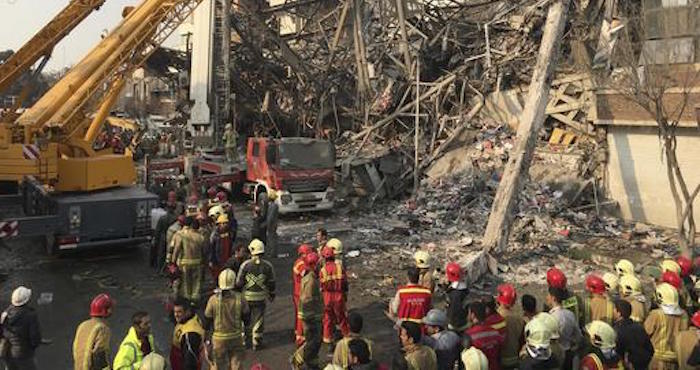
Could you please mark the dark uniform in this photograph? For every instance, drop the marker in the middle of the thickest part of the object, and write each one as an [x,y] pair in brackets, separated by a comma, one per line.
[256,279]
[310,312]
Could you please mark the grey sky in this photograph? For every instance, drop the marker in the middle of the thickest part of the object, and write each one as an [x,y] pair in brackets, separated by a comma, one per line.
[21,19]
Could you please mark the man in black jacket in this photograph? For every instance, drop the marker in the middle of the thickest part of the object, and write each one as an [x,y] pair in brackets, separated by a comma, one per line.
[633,343]
[20,327]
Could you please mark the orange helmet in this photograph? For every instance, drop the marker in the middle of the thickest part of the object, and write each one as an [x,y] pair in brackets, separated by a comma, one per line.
[327,252]
[595,284]
[100,305]
[506,295]
[686,265]
[696,319]
[311,260]
[304,249]
[672,278]
[556,278]
[453,271]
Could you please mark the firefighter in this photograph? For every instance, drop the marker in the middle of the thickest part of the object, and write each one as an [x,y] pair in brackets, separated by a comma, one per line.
[310,309]
[631,291]
[188,249]
[321,239]
[137,343]
[230,145]
[670,265]
[483,336]
[271,216]
[159,246]
[211,197]
[221,246]
[188,337]
[412,301]
[557,279]
[457,293]
[602,356]
[334,288]
[514,326]
[624,267]
[537,352]
[297,270]
[611,282]
[596,306]
[422,259]
[686,342]
[691,298]
[172,230]
[552,325]
[91,343]
[256,279]
[663,324]
[474,359]
[225,314]
[675,281]
[337,247]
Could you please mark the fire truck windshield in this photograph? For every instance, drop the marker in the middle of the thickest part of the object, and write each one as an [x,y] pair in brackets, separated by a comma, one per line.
[306,155]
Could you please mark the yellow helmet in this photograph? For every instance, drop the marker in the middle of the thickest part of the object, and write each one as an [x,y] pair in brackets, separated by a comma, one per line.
[602,335]
[215,211]
[538,333]
[666,294]
[629,284]
[271,194]
[227,279]
[670,265]
[624,267]
[256,247]
[336,245]
[422,259]
[611,282]
[550,322]
[222,219]
[474,359]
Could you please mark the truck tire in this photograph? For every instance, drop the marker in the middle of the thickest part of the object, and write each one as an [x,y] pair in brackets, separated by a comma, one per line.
[50,245]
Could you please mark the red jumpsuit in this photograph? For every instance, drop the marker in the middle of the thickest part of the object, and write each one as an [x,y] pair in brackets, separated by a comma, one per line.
[221,249]
[297,270]
[334,287]
[414,302]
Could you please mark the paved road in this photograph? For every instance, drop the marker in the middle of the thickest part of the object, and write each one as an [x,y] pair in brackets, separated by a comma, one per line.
[73,280]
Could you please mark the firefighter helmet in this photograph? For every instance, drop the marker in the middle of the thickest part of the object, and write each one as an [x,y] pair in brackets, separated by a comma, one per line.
[550,322]
[670,265]
[595,284]
[304,249]
[666,294]
[453,271]
[327,252]
[672,278]
[686,265]
[422,259]
[271,194]
[537,333]
[337,246]
[601,334]
[474,359]
[629,285]
[311,260]
[222,219]
[221,196]
[100,305]
[624,267]
[256,247]
[435,317]
[556,278]
[227,279]
[215,211]
[696,319]
[506,295]
[211,192]
[611,282]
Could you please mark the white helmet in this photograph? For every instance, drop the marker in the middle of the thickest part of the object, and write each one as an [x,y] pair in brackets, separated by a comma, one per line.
[227,279]
[474,359]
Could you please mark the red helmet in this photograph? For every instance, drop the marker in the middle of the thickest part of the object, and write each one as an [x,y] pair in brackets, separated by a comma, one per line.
[696,319]
[556,278]
[221,196]
[672,278]
[454,272]
[304,249]
[100,305]
[686,265]
[327,252]
[211,192]
[181,220]
[311,260]
[506,295]
[193,199]
[595,284]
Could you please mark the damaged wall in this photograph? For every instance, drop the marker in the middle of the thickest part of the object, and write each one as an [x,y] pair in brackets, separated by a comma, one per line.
[636,173]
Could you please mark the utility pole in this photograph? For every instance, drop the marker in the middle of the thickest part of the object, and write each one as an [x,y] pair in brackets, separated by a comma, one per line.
[498,227]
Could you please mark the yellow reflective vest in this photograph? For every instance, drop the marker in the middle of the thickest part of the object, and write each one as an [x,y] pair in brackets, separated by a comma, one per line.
[130,356]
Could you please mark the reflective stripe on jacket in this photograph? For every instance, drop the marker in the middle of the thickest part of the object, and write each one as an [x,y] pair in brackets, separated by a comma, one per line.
[91,337]
[662,330]
[130,355]
[414,302]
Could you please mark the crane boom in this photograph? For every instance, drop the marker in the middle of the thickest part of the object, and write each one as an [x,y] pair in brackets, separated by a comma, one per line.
[44,41]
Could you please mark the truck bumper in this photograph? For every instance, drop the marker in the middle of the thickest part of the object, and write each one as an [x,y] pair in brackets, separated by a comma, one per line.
[304,202]
[105,243]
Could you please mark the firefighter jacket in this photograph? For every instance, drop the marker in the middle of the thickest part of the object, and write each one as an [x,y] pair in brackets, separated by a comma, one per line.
[411,303]
[172,230]
[497,322]
[426,279]
[297,270]
[221,247]
[310,305]
[513,340]
[188,247]
[333,279]
[342,350]
[187,343]
[256,278]
[91,345]
[420,357]
[597,307]
[639,308]
[130,354]
[457,306]
[592,361]
[227,309]
[489,341]
[685,343]
[663,329]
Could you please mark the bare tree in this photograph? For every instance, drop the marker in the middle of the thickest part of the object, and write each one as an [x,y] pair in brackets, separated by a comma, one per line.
[647,78]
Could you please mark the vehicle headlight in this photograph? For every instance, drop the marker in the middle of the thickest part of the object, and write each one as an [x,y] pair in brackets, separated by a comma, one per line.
[286,198]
